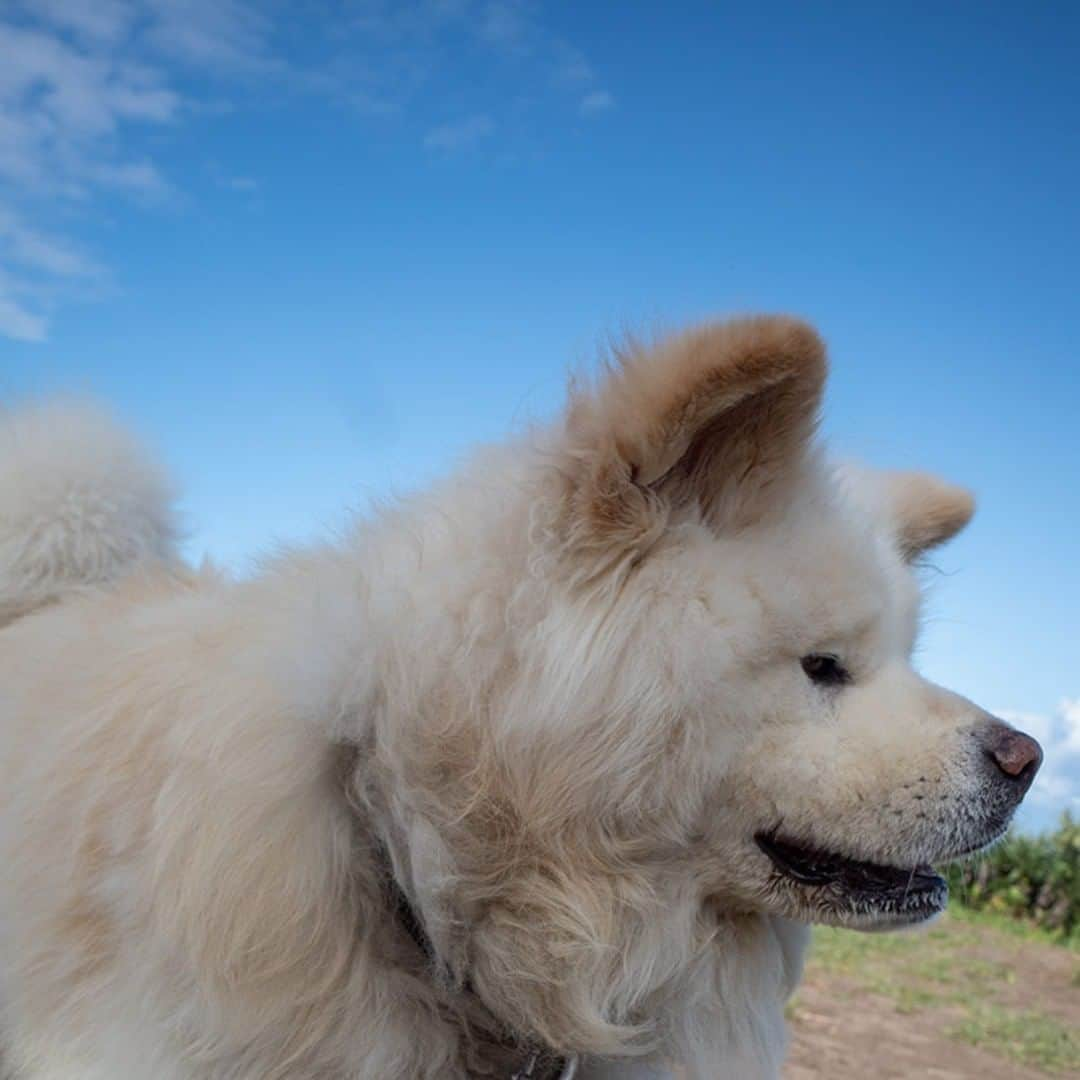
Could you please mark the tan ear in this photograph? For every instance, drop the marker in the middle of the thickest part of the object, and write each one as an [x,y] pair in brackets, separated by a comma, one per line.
[926,511]
[718,414]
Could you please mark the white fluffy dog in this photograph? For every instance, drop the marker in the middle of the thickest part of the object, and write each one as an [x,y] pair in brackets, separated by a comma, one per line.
[548,768]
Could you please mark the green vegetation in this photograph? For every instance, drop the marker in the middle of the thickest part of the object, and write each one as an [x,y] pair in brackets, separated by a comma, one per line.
[1032,878]
[1028,1037]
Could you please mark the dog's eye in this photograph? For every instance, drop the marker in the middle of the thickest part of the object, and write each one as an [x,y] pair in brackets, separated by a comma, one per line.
[825,670]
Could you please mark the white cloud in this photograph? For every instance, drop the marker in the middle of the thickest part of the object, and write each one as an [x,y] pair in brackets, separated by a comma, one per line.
[418,39]
[35,267]
[79,79]
[571,68]
[134,177]
[16,321]
[86,84]
[367,104]
[1070,718]
[100,20]
[401,19]
[506,25]
[239,183]
[1057,787]
[457,136]
[224,34]
[597,101]
[24,246]
[61,105]
[64,100]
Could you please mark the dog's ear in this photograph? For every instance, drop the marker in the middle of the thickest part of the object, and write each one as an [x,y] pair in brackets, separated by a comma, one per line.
[718,415]
[925,511]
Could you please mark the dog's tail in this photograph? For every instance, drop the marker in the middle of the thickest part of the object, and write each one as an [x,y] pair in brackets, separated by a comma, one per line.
[81,503]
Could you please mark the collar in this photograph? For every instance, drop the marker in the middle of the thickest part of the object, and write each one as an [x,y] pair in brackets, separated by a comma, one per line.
[558,1068]
[534,1063]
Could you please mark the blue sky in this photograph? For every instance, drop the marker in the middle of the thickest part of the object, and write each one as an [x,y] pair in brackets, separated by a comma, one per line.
[314,250]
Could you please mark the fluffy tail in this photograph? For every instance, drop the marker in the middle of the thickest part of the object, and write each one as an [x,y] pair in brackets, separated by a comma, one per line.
[80,503]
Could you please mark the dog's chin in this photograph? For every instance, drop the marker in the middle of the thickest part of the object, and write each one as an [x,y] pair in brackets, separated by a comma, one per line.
[811,884]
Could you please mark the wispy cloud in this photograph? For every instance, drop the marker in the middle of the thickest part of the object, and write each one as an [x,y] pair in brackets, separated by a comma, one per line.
[597,101]
[16,320]
[508,25]
[457,136]
[229,181]
[27,247]
[80,81]
[240,183]
[226,35]
[420,41]
[570,68]
[31,263]
[101,21]
[85,85]
[61,105]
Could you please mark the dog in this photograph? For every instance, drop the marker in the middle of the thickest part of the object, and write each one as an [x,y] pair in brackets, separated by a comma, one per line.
[543,772]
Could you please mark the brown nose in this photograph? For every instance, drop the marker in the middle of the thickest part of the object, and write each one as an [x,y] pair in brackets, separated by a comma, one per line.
[1017,755]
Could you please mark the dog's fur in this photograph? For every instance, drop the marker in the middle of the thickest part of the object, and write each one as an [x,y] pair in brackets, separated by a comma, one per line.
[558,695]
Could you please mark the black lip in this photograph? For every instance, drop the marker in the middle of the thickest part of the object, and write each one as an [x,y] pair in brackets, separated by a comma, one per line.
[812,866]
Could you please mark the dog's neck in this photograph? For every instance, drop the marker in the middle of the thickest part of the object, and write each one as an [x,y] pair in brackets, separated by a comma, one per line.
[512,1057]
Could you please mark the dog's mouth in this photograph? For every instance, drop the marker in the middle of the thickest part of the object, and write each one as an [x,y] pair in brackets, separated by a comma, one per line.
[853,891]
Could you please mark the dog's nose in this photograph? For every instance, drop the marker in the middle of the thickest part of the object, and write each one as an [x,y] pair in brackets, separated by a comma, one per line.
[1017,755]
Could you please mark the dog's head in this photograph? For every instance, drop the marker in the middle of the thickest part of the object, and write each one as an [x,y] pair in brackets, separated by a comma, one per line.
[682,693]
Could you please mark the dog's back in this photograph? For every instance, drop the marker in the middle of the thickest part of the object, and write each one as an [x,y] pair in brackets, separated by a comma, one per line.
[178,897]
[83,508]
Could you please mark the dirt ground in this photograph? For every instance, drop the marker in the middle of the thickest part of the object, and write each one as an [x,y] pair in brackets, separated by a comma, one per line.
[968,1000]
[845,1039]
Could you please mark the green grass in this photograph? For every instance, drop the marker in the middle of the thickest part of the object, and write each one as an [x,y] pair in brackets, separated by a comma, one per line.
[1011,926]
[945,969]
[1027,1037]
